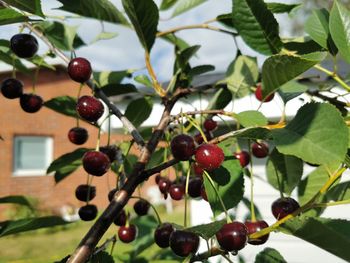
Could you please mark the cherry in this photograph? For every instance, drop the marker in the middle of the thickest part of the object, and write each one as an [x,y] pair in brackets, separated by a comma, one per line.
[87,212]
[177,191]
[182,147]
[284,206]
[127,234]
[194,187]
[199,138]
[259,96]
[111,194]
[79,69]
[256,227]
[78,135]
[141,207]
[11,88]
[157,177]
[112,151]
[232,236]
[120,220]
[89,108]
[96,163]
[243,158]
[164,185]
[85,192]
[197,169]
[260,149]
[183,243]
[209,156]
[162,234]
[210,124]
[30,103]
[24,45]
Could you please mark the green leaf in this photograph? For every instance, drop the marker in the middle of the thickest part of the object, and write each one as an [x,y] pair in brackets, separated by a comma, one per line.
[241,75]
[257,26]
[64,104]
[176,41]
[40,62]
[220,99]
[269,255]
[183,57]
[104,36]
[118,89]
[8,59]
[339,192]
[144,17]
[225,19]
[129,162]
[332,235]
[283,171]
[339,25]
[166,4]
[139,110]
[303,46]
[280,69]
[102,10]
[291,89]
[144,79]
[198,70]
[66,164]
[254,133]
[251,118]
[317,27]
[100,257]
[28,224]
[186,5]
[278,8]
[10,16]
[30,6]
[104,78]
[156,158]
[317,134]
[15,199]
[229,182]
[207,231]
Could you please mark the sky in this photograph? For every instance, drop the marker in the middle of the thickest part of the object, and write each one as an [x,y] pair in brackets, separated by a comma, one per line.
[125,51]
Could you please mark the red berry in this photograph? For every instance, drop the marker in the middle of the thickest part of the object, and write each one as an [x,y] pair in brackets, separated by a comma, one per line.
[256,227]
[177,191]
[194,187]
[78,135]
[141,207]
[79,69]
[243,158]
[210,124]
[284,206]
[111,194]
[96,163]
[162,234]
[199,138]
[112,151]
[197,169]
[120,220]
[157,177]
[24,45]
[87,212]
[85,192]
[30,103]
[184,243]
[182,147]
[232,236]
[12,88]
[209,156]
[260,149]
[259,96]
[127,234]
[164,185]
[89,108]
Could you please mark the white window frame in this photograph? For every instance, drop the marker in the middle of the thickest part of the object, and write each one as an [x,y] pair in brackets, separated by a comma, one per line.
[33,172]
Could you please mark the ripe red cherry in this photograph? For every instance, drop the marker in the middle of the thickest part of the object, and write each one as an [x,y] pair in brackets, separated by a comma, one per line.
[183,243]
[209,156]
[176,191]
[87,212]
[210,124]
[78,135]
[284,206]
[24,45]
[79,69]
[30,103]
[164,185]
[157,177]
[127,234]
[260,149]
[232,236]
[243,158]
[120,220]
[85,192]
[256,227]
[182,147]
[11,88]
[112,151]
[194,187]
[197,169]
[199,138]
[162,234]
[141,207]
[89,108]
[259,96]
[96,163]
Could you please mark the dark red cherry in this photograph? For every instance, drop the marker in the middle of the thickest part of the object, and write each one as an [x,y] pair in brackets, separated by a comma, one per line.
[141,207]
[96,163]
[243,158]
[30,103]
[79,69]
[112,151]
[24,45]
[177,191]
[85,192]
[78,135]
[12,88]
[194,187]
[111,194]
[197,169]
[162,234]
[256,227]
[284,206]
[260,149]
[182,147]
[259,96]
[89,108]
[232,236]
[199,138]
[209,156]
[164,185]
[183,243]
[127,234]
[210,124]
[87,212]
[120,220]
[157,177]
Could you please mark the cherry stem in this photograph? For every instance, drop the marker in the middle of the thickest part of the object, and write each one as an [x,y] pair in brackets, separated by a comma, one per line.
[252,209]
[13,67]
[109,130]
[89,182]
[228,219]
[186,194]
[98,139]
[342,202]
[153,207]
[157,87]
[35,78]
[195,124]
[333,75]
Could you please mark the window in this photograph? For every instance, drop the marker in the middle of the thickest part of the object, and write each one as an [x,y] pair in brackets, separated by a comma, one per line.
[32,155]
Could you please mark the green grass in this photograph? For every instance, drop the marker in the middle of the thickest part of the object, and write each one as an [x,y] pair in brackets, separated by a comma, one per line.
[49,245]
